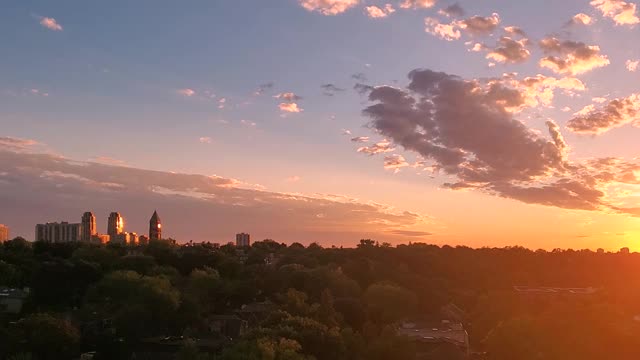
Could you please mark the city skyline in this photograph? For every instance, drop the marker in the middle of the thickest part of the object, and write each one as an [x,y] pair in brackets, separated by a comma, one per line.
[460,123]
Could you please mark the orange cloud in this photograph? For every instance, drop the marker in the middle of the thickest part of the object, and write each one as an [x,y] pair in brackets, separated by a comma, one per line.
[621,12]
[575,57]
[290,107]
[375,12]
[50,23]
[417,4]
[329,7]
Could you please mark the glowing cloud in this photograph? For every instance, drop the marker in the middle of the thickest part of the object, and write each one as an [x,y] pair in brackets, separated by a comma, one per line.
[375,12]
[329,7]
[290,107]
[186,92]
[417,4]
[621,12]
[632,65]
[577,57]
[50,23]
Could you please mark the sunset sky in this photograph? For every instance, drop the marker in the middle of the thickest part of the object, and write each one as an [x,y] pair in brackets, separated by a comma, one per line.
[479,123]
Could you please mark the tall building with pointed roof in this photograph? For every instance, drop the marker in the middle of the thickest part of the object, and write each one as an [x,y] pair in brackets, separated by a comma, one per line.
[155,227]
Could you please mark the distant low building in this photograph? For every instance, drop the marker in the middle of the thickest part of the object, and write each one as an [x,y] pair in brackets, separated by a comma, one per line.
[431,338]
[243,240]
[11,300]
[58,232]
[100,239]
[143,240]
[122,239]
[4,233]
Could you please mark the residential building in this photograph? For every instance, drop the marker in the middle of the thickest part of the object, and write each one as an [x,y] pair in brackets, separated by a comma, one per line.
[133,239]
[89,227]
[155,227]
[11,300]
[122,238]
[100,239]
[4,233]
[58,232]
[115,226]
[243,240]
[143,240]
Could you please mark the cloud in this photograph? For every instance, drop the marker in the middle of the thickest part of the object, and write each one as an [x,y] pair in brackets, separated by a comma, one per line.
[576,57]
[410,233]
[288,96]
[362,89]
[248,123]
[454,10]
[360,139]
[632,65]
[329,7]
[417,4]
[40,187]
[186,92]
[581,19]
[290,107]
[330,89]
[50,23]
[294,178]
[616,113]
[381,147]
[621,12]
[375,12]
[222,103]
[263,88]
[20,145]
[473,26]
[346,132]
[509,50]
[467,131]
[395,162]
[205,140]
[107,160]
[360,77]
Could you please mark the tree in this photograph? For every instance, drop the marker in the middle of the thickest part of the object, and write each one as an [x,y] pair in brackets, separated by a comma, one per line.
[139,304]
[388,303]
[48,337]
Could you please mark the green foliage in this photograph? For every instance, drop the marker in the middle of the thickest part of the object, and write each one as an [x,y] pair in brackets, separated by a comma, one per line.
[48,337]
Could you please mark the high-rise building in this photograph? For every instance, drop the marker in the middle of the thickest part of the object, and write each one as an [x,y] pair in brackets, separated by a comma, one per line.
[133,239]
[89,227]
[115,226]
[58,232]
[4,233]
[155,227]
[243,240]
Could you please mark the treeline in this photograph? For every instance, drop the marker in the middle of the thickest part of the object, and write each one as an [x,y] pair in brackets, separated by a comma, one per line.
[327,303]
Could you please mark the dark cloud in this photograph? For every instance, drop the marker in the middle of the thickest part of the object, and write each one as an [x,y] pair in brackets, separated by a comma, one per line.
[360,77]
[363,89]
[616,113]
[454,10]
[469,132]
[263,88]
[508,50]
[330,89]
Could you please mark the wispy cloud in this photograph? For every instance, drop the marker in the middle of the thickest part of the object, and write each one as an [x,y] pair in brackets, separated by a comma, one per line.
[376,12]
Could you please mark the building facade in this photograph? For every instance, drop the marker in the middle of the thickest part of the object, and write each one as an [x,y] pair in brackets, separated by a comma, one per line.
[89,227]
[155,227]
[243,240]
[58,232]
[4,233]
[115,226]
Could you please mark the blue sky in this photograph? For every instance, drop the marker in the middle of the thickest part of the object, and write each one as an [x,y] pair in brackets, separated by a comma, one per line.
[113,75]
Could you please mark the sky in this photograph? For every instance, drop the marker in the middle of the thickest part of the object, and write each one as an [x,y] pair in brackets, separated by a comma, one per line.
[477,123]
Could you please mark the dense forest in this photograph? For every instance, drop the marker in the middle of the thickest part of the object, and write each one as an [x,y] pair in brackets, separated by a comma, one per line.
[279,302]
